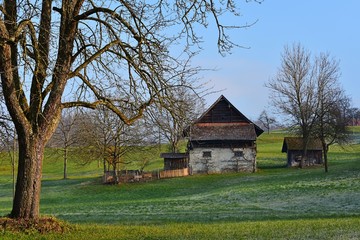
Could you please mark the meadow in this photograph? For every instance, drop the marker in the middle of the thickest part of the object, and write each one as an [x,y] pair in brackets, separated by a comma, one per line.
[275,202]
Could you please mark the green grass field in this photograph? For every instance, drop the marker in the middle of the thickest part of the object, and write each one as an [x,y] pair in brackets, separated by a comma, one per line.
[274,203]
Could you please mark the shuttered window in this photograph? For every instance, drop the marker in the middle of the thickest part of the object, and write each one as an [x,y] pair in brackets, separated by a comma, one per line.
[207,154]
[238,154]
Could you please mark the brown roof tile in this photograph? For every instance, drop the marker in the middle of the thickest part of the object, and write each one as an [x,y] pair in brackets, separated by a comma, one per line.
[223,131]
[296,143]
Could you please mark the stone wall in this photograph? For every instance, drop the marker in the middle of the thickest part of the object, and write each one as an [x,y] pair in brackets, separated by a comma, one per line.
[222,160]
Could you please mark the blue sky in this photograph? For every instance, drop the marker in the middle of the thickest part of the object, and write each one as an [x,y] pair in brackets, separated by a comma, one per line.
[319,26]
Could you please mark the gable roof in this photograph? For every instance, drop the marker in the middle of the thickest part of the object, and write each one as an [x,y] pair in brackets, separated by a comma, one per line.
[222,111]
[296,143]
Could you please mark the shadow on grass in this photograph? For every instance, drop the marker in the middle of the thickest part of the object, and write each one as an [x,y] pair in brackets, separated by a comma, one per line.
[271,163]
[279,166]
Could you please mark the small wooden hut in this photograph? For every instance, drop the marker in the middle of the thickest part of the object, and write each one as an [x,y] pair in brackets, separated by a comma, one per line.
[173,161]
[293,147]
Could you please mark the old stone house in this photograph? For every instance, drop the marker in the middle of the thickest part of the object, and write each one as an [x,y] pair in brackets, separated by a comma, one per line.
[222,140]
[293,147]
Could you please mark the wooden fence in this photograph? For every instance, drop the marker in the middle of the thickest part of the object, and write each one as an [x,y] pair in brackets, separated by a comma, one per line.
[110,177]
[174,173]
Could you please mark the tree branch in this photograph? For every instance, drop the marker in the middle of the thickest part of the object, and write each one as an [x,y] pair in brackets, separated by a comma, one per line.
[86,14]
[93,57]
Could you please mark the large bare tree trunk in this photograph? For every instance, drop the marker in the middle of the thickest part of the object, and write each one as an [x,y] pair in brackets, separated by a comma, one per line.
[326,166]
[28,184]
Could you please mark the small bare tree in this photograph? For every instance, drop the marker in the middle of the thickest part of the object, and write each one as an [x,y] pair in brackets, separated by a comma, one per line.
[110,139]
[266,120]
[8,140]
[333,105]
[354,115]
[107,136]
[173,124]
[65,135]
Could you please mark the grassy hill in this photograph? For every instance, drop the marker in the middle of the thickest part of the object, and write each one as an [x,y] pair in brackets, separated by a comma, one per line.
[275,202]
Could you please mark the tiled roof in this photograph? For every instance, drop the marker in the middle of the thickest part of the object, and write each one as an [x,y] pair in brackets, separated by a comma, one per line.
[223,131]
[296,143]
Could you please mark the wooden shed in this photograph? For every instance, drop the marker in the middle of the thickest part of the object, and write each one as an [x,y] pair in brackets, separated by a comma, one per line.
[173,161]
[293,147]
[222,140]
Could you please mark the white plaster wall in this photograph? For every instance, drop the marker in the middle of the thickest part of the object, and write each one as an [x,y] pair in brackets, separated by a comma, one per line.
[222,160]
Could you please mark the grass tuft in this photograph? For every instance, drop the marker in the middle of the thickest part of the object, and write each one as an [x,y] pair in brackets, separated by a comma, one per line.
[44,225]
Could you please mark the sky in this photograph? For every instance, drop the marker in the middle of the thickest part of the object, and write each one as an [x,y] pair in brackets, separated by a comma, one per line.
[319,26]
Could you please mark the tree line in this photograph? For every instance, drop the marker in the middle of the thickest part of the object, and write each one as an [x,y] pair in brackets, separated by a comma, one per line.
[100,135]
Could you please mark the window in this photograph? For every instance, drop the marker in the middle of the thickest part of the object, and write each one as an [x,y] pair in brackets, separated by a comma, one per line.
[207,154]
[238,154]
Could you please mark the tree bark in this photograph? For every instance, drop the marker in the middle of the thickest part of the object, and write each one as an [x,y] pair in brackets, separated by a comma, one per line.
[326,162]
[28,184]
[325,151]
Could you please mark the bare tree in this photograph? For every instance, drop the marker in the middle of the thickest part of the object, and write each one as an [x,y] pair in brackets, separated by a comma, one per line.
[293,92]
[111,140]
[106,136]
[8,140]
[309,93]
[48,48]
[6,126]
[173,124]
[65,135]
[266,120]
[333,105]
[354,115]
